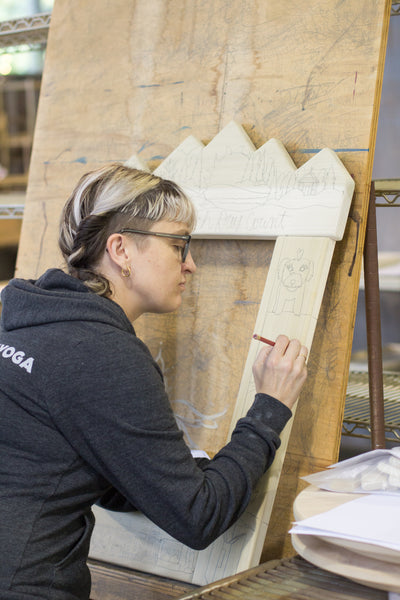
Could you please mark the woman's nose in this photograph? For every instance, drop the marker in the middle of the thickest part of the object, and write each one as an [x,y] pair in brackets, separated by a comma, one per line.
[189,264]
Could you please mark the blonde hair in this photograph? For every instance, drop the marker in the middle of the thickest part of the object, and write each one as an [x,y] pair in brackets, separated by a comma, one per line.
[106,200]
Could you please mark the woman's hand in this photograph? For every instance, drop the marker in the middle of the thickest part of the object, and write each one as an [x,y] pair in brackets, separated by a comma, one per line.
[281,371]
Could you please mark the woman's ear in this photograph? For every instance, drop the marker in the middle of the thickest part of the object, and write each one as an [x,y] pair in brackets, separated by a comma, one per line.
[118,250]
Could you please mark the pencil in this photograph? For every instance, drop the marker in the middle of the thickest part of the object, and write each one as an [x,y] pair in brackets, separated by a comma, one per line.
[263,339]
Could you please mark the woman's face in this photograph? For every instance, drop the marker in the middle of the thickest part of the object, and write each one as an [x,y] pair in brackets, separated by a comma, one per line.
[158,273]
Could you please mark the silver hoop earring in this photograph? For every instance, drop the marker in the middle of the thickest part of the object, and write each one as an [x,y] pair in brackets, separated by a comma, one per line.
[126,272]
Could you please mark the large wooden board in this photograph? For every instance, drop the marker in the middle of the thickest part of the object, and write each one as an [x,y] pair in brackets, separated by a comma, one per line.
[137,77]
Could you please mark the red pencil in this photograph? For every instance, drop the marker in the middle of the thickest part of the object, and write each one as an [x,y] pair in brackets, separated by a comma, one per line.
[263,339]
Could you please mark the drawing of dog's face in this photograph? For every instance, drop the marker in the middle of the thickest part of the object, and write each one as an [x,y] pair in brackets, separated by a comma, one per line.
[294,272]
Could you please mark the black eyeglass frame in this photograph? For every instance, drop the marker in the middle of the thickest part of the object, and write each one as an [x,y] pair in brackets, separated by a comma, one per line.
[174,236]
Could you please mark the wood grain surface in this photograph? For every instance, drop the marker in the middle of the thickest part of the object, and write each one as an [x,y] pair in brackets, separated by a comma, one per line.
[138,77]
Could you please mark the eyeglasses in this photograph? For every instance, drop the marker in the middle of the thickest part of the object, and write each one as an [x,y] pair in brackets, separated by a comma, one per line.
[185,238]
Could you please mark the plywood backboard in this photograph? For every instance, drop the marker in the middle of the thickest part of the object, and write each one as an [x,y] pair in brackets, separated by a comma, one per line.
[138,77]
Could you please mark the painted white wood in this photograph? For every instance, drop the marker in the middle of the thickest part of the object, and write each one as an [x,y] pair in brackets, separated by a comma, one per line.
[290,304]
[241,192]
[134,162]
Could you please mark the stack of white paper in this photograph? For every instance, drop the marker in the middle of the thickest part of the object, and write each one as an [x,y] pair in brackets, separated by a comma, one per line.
[372,519]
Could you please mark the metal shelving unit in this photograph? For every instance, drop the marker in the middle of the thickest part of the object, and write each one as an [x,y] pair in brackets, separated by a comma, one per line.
[356,420]
[32,31]
[395,7]
[12,205]
[19,35]
[388,190]
[372,407]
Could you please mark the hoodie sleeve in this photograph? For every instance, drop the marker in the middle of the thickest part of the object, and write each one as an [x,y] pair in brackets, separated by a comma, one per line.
[118,418]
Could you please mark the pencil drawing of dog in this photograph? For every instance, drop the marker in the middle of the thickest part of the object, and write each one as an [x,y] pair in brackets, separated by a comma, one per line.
[293,274]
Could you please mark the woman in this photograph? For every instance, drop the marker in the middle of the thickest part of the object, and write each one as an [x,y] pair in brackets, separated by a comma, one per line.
[85,416]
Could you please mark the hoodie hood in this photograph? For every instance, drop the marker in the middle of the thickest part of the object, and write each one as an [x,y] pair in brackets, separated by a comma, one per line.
[56,297]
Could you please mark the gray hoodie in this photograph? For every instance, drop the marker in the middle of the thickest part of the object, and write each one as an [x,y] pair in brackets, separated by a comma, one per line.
[85,418]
